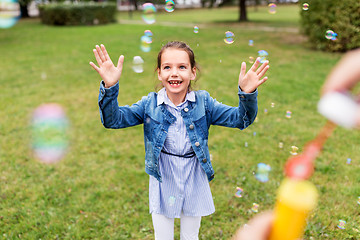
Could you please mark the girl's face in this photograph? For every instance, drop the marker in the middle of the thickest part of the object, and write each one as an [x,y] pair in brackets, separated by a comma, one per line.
[175,71]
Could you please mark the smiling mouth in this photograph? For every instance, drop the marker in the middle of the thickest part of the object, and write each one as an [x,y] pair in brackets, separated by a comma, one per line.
[175,82]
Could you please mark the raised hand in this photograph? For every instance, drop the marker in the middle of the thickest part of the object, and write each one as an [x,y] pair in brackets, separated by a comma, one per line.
[108,72]
[252,79]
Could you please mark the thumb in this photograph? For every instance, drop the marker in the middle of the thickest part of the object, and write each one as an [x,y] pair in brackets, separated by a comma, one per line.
[120,62]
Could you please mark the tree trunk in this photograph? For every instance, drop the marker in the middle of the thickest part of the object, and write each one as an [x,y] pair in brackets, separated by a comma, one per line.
[24,11]
[242,9]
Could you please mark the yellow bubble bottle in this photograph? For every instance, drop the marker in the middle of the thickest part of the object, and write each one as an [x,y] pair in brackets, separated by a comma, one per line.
[295,200]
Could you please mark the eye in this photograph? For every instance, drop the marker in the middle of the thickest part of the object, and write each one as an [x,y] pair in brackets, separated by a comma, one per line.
[166,67]
[182,67]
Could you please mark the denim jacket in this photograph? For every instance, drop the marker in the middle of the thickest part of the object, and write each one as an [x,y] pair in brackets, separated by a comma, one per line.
[198,116]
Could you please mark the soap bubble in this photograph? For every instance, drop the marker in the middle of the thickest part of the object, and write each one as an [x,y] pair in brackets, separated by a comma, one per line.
[246,144]
[149,34]
[49,133]
[272,8]
[294,150]
[9,13]
[272,104]
[239,192]
[341,224]
[348,161]
[229,37]
[255,207]
[148,13]
[331,35]
[172,200]
[288,114]
[196,29]
[305,6]
[169,5]
[358,201]
[262,55]
[138,63]
[251,43]
[281,144]
[262,173]
[251,60]
[145,43]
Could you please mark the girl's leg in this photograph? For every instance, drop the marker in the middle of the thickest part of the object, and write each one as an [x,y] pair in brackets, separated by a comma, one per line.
[189,227]
[163,227]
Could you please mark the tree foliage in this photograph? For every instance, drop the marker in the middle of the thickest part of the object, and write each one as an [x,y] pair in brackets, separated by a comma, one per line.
[342,17]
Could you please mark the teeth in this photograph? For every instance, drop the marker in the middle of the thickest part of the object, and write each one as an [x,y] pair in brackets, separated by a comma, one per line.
[174,82]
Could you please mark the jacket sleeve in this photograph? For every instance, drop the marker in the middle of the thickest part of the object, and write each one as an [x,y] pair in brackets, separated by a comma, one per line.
[235,117]
[114,116]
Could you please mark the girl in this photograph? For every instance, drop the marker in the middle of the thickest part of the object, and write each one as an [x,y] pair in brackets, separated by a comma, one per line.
[176,123]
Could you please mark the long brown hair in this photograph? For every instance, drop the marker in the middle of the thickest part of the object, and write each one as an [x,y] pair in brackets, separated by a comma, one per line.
[182,46]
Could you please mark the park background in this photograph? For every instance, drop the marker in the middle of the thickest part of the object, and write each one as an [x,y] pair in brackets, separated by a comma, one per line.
[99,190]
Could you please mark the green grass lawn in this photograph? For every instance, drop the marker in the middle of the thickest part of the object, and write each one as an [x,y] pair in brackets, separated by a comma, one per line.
[100,189]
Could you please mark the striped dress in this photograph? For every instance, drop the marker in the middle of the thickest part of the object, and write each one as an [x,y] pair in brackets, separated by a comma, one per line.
[184,187]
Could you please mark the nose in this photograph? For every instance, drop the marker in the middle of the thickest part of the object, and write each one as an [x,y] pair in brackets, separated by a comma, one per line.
[174,72]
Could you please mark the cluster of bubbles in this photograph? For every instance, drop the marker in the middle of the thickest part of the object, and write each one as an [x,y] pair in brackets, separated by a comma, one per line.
[9,13]
[341,224]
[149,11]
[305,6]
[331,35]
[272,8]
[146,41]
[262,173]
[229,37]
[169,5]
[49,133]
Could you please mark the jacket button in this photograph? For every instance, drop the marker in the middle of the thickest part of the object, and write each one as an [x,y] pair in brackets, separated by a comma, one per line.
[204,160]
[197,144]
[191,126]
[242,96]
[212,176]
[186,109]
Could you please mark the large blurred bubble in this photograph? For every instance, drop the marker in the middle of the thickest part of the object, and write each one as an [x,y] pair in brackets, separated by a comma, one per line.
[148,13]
[9,13]
[49,132]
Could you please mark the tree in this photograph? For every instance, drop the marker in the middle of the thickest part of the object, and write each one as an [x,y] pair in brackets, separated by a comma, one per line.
[242,11]
[24,8]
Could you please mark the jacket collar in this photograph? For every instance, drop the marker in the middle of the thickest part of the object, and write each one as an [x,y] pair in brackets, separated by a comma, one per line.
[162,97]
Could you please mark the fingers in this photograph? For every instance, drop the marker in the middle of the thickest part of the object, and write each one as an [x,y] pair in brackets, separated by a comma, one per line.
[106,55]
[261,81]
[263,70]
[95,67]
[242,70]
[262,67]
[97,57]
[100,53]
[255,65]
